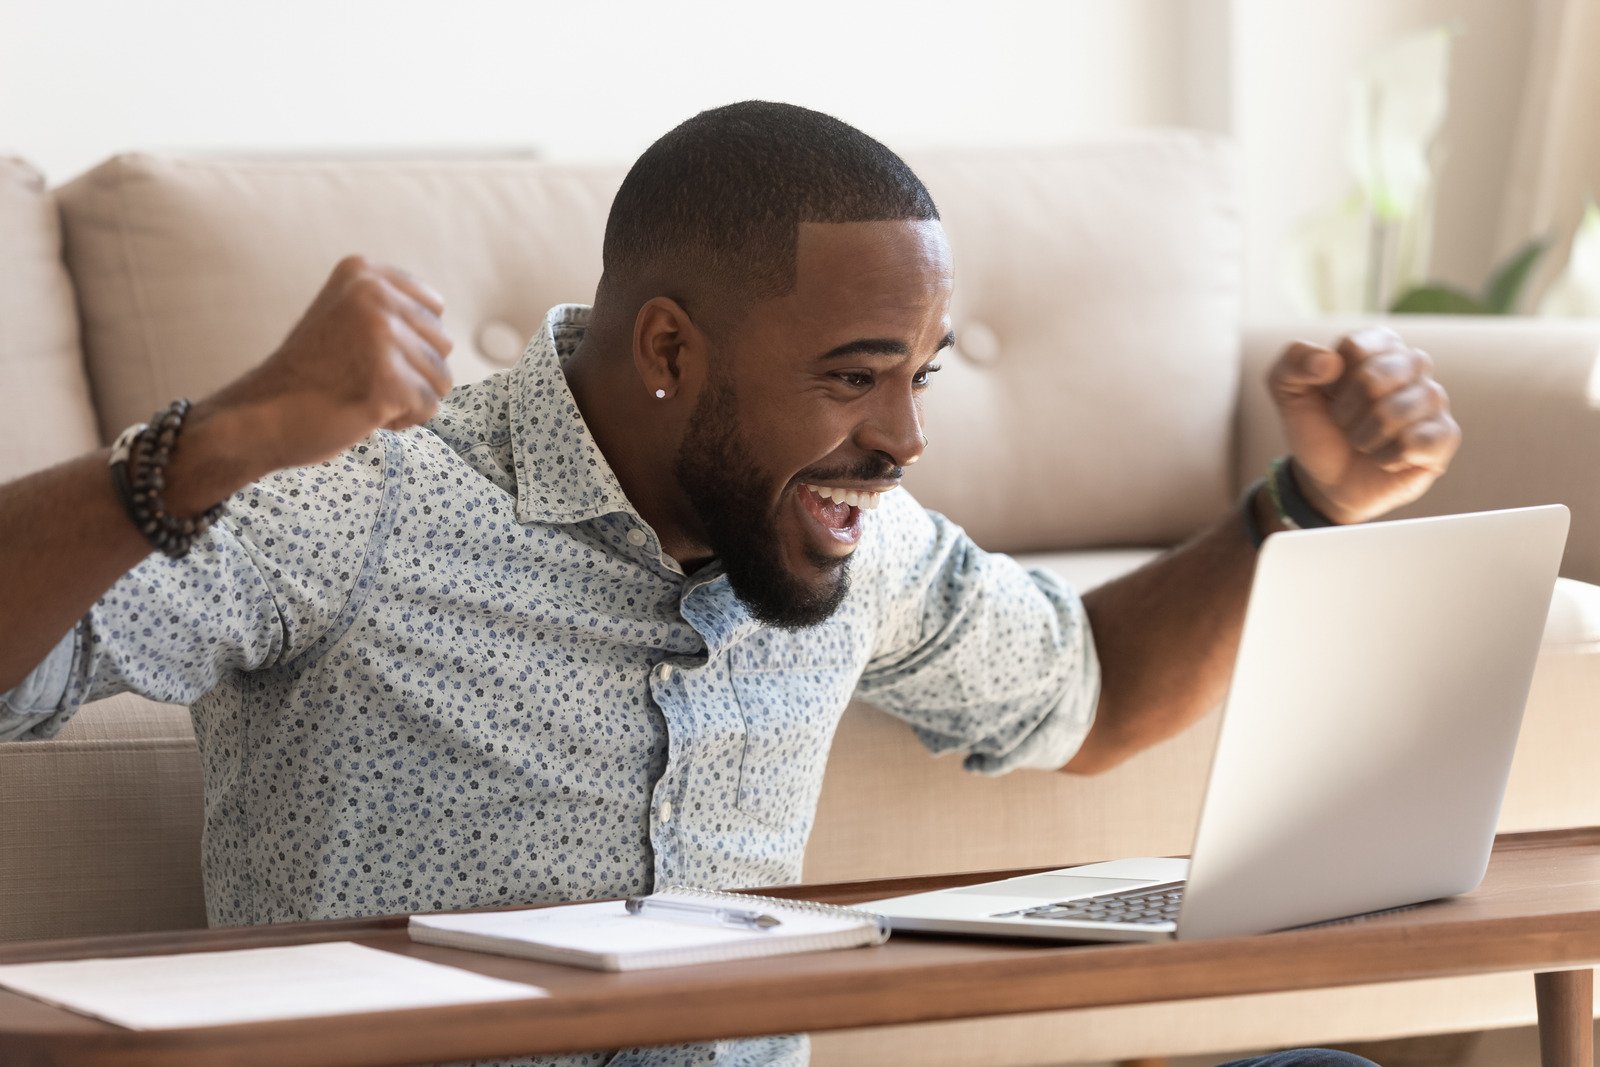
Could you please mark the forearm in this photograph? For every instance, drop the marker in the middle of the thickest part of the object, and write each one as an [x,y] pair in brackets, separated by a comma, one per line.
[369,352]
[67,538]
[1166,636]
[1369,429]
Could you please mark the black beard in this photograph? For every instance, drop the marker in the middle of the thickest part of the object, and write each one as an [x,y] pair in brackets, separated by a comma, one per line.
[725,489]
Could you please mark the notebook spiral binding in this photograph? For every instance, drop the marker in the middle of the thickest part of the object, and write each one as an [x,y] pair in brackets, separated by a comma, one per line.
[780,904]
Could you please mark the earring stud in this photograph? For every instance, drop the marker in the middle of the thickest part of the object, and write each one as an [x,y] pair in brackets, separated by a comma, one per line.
[661,394]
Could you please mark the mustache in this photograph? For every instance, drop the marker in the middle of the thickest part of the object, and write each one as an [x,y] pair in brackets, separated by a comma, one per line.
[865,471]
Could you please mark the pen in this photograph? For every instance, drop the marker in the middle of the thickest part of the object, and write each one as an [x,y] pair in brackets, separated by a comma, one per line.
[702,913]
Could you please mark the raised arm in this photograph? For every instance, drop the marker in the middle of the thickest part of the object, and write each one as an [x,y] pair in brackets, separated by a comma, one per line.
[1369,430]
[368,353]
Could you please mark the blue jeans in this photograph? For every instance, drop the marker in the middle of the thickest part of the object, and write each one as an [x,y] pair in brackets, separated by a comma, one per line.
[1304,1057]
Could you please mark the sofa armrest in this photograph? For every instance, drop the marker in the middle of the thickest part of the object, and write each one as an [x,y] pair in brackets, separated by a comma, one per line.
[1524,390]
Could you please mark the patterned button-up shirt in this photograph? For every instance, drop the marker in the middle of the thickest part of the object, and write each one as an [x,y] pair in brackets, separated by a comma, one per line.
[452,668]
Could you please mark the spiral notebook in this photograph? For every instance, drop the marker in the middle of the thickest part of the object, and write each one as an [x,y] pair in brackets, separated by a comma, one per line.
[607,936]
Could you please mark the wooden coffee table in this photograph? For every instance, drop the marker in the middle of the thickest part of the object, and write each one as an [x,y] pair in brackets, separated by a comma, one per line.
[1537,910]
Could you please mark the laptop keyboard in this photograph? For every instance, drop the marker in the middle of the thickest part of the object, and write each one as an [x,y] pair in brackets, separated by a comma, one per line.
[1150,905]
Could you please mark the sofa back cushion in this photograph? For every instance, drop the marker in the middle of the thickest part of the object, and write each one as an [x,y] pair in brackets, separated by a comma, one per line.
[1090,399]
[1089,402]
[193,271]
[47,411]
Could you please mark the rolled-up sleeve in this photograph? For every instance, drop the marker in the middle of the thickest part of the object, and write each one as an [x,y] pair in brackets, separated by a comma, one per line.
[33,709]
[976,652]
[264,584]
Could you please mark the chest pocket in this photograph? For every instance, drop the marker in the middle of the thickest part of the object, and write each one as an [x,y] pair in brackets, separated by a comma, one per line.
[791,689]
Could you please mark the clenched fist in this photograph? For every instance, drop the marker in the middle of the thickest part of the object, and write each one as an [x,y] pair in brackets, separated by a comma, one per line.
[369,353]
[1368,426]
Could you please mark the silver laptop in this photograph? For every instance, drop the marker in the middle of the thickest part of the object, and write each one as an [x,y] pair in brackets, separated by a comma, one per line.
[1364,748]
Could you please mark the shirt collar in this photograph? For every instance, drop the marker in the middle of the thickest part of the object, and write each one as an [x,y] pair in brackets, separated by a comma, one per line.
[562,476]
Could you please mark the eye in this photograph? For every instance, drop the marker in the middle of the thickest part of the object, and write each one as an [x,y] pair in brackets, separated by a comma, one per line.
[856,379]
[925,375]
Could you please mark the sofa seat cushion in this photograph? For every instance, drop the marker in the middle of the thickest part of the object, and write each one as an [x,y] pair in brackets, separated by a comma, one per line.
[1572,627]
[1085,570]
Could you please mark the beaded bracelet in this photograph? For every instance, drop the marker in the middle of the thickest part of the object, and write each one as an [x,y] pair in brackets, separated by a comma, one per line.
[139,461]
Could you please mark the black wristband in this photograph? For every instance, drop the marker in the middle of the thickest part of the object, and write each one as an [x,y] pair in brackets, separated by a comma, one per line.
[1294,509]
[1247,510]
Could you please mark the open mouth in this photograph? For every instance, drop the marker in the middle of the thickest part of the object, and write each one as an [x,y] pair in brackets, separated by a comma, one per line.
[854,498]
[836,513]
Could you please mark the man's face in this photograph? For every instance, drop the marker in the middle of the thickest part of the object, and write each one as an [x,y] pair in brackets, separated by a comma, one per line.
[811,410]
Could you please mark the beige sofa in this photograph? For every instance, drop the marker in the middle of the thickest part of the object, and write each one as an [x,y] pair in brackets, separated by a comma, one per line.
[1103,402]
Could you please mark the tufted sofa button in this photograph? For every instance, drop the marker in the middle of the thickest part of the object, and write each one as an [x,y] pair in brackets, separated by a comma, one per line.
[977,343]
[500,342]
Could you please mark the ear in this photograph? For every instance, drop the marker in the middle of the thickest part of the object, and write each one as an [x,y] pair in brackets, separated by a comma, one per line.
[668,348]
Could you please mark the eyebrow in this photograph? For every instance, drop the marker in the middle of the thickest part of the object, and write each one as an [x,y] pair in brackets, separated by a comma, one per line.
[881,346]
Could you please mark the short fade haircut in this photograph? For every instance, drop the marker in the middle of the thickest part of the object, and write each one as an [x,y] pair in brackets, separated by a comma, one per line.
[718,201]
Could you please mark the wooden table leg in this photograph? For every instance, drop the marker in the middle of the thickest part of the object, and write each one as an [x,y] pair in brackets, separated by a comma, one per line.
[1566,1018]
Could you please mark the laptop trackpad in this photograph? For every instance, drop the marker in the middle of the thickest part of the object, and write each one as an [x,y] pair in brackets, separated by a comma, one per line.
[1053,886]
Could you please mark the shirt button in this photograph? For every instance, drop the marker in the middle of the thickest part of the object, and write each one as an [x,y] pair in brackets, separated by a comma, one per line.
[664,672]
[636,538]
[665,811]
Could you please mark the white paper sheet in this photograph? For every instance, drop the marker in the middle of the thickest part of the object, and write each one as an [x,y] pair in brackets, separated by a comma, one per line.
[252,985]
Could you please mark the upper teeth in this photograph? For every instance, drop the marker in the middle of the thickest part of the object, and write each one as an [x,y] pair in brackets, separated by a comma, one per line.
[866,501]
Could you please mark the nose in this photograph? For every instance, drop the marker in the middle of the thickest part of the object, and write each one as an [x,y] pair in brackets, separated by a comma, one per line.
[893,427]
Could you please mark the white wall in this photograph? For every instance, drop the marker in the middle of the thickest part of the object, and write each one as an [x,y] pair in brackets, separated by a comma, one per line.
[1292,65]
[81,79]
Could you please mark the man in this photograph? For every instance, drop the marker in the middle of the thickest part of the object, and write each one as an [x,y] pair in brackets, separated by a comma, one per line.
[586,627]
